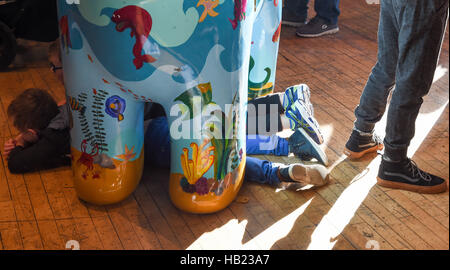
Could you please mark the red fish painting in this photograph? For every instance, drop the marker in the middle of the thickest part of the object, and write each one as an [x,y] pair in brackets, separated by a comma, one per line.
[239,12]
[65,33]
[140,23]
[276,35]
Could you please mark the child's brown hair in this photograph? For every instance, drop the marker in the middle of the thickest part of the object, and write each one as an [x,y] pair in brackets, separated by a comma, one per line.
[32,109]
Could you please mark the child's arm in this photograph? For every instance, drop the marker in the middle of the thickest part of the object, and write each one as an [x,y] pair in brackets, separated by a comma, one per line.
[43,154]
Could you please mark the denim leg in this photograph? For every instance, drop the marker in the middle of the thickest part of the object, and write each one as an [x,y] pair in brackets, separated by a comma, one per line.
[157,143]
[328,10]
[372,104]
[298,7]
[422,26]
[263,115]
[267,145]
[261,171]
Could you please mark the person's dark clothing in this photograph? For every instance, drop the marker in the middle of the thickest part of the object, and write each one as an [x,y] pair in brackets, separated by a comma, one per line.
[50,151]
[328,10]
[410,35]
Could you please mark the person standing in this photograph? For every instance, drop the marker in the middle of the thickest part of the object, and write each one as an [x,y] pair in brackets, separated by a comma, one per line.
[295,13]
[410,36]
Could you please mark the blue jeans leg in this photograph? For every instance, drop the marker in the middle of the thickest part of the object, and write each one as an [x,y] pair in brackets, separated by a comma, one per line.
[410,37]
[261,171]
[298,7]
[267,145]
[327,10]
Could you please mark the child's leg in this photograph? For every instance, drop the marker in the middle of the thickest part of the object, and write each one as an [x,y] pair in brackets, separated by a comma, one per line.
[266,172]
[264,113]
[261,171]
[267,145]
[157,143]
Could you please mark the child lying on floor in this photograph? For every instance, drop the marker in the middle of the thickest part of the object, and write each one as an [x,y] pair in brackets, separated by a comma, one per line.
[44,139]
[44,143]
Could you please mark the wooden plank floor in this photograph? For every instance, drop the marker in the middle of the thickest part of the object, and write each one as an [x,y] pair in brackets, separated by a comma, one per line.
[41,210]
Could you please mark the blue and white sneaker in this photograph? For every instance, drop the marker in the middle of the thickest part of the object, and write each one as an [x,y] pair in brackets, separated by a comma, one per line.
[298,92]
[302,145]
[300,112]
[300,117]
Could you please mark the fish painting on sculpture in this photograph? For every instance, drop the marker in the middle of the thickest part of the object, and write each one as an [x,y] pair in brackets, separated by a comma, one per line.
[115,107]
[140,22]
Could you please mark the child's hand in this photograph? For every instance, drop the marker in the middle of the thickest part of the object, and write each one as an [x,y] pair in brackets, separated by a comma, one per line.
[30,136]
[19,140]
[8,147]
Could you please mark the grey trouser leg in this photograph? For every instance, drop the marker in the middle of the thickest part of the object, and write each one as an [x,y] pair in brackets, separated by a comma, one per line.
[410,36]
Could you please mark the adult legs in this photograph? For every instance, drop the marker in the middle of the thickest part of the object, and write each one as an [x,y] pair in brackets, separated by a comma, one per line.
[327,10]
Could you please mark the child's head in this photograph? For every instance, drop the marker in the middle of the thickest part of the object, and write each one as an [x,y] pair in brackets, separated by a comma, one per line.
[32,109]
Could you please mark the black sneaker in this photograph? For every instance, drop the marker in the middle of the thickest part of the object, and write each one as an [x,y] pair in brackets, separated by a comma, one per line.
[316,27]
[360,144]
[290,19]
[407,176]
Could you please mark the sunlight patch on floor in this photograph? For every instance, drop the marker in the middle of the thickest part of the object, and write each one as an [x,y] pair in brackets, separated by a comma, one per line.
[230,235]
[343,210]
[424,121]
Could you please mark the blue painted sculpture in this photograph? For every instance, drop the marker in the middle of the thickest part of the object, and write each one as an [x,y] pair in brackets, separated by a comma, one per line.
[201,59]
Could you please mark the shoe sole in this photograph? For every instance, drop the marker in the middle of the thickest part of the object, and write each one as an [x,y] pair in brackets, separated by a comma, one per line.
[296,171]
[357,155]
[414,188]
[329,32]
[314,126]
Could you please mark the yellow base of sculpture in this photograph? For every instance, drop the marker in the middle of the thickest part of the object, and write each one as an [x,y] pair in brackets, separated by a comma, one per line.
[210,202]
[102,186]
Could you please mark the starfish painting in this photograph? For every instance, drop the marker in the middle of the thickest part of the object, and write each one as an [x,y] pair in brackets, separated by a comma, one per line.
[128,154]
[209,8]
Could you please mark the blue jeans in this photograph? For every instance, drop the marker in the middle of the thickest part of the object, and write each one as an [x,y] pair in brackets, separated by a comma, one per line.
[157,153]
[325,9]
[410,35]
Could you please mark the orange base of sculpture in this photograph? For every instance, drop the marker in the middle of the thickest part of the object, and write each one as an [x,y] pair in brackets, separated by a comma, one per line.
[210,202]
[102,186]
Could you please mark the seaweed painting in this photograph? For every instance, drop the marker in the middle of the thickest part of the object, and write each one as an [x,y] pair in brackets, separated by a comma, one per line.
[225,145]
[97,137]
[259,89]
[85,129]
[221,130]
[97,112]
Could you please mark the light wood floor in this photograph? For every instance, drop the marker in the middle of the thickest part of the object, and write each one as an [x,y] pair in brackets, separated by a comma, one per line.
[41,210]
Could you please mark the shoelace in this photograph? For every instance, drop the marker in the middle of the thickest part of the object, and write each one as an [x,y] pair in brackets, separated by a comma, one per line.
[414,169]
[377,139]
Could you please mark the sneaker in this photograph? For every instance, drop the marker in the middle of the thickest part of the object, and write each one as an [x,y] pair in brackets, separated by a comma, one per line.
[290,19]
[406,175]
[314,174]
[301,144]
[361,143]
[298,92]
[316,27]
[300,117]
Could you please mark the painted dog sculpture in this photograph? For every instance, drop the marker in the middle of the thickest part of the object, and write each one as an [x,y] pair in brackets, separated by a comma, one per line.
[191,56]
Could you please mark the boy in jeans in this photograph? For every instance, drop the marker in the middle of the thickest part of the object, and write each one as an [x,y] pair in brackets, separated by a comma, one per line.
[410,35]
